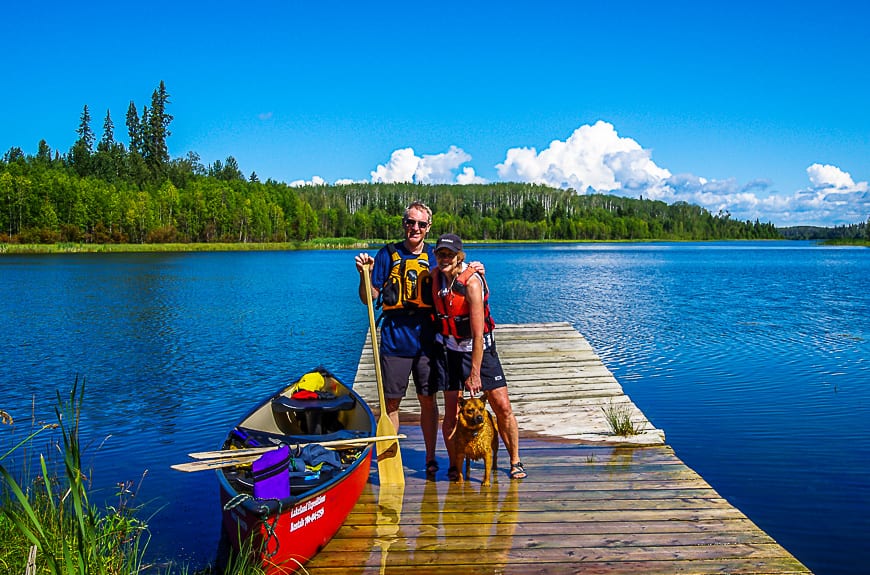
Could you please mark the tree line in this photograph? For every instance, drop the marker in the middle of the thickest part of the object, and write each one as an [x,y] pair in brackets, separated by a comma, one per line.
[859,231]
[106,192]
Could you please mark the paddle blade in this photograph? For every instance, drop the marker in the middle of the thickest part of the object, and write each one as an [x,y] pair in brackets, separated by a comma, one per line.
[214,463]
[390,468]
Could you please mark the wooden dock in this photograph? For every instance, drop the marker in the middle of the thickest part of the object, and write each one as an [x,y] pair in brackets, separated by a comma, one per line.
[593,502]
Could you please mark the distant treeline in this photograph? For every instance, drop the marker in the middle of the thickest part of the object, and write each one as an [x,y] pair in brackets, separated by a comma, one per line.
[851,232]
[106,192]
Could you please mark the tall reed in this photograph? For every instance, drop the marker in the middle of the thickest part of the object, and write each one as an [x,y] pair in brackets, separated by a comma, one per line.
[54,515]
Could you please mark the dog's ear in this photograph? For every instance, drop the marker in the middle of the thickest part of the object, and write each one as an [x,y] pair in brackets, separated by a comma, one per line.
[461,401]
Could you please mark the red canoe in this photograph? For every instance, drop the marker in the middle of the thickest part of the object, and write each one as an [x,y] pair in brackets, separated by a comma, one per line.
[291,502]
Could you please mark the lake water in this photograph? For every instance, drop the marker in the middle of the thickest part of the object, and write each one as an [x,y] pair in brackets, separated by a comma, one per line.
[753,357]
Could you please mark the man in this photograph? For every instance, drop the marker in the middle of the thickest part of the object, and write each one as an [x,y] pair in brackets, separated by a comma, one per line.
[400,278]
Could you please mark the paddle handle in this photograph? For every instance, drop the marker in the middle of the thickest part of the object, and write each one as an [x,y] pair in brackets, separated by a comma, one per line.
[373,329]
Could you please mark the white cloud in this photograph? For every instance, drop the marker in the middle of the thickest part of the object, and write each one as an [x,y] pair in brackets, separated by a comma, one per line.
[315,181]
[401,167]
[593,157]
[832,199]
[469,177]
[826,176]
[596,159]
[406,166]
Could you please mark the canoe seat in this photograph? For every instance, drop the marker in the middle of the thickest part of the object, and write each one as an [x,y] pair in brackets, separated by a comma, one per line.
[312,416]
[338,403]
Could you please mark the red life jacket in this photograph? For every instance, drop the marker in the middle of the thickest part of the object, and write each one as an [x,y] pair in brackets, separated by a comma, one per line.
[452,310]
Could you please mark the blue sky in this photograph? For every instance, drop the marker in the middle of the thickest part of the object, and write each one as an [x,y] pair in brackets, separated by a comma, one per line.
[757,108]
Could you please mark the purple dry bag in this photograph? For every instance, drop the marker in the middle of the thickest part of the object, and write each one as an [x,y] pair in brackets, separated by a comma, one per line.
[271,479]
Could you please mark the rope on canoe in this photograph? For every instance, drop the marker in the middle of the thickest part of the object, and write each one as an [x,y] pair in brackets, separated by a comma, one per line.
[263,511]
[270,531]
[241,498]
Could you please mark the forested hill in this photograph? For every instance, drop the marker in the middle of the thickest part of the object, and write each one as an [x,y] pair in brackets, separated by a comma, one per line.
[106,192]
[42,202]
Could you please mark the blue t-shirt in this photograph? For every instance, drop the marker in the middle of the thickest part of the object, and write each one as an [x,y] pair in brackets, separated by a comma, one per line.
[406,334]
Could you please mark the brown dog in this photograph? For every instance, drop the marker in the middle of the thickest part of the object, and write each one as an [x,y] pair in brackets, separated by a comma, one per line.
[475,437]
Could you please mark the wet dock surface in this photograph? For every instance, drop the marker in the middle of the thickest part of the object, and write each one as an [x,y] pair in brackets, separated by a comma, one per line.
[593,502]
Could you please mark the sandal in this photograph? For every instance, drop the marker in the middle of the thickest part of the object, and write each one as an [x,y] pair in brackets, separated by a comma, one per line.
[453,473]
[518,471]
[431,468]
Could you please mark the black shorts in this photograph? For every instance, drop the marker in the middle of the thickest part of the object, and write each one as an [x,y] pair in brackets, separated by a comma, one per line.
[454,367]
[397,370]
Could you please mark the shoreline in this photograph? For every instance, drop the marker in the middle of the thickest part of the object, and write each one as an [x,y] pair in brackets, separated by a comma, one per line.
[317,244]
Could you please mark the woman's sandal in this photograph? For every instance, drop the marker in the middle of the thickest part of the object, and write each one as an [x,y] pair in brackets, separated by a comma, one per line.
[518,471]
[453,473]
[431,468]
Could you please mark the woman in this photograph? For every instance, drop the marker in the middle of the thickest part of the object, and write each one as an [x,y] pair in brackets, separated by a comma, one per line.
[465,326]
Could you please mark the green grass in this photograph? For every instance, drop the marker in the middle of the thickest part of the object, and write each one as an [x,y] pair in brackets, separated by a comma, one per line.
[50,511]
[847,242]
[619,419]
[313,244]
[73,248]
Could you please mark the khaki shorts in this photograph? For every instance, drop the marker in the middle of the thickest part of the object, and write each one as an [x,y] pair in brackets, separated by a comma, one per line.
[397,370]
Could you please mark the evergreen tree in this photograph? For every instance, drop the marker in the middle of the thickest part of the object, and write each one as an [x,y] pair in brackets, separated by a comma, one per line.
[134,129]
[43,154]
[80,154]
[108,162]
[108,141]
[13,154]
[227,171]
[155,125]
[86,135]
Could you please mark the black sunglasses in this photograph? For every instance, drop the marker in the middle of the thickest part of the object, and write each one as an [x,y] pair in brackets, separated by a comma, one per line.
[410,223]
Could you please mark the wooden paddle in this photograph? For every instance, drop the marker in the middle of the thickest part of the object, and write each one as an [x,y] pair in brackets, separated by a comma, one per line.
[229,457]
[334,444]
[390,469]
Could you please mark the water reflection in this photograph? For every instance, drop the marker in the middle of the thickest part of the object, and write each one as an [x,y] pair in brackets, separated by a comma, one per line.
[389,517]
[459,521]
